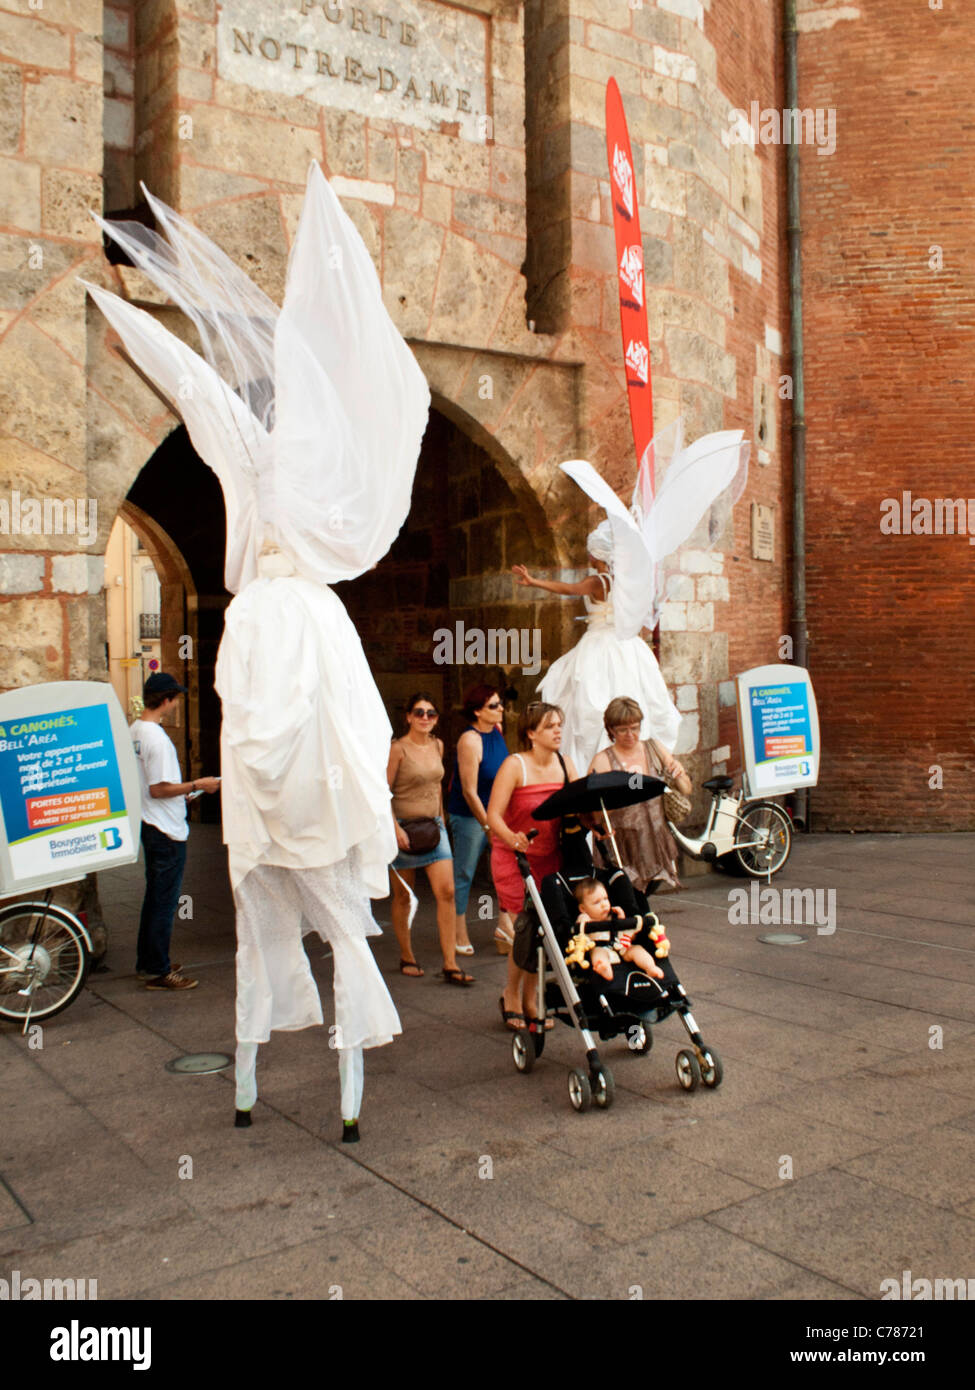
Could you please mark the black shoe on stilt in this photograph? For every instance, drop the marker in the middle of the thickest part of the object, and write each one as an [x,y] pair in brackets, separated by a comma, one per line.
[350,1131]
[242,1119]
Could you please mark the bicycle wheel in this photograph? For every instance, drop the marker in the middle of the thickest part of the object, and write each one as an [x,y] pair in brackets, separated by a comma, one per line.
[56,963]
[763,839]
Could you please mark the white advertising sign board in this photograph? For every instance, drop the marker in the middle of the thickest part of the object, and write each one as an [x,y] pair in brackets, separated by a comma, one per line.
[70,802]
[779,726]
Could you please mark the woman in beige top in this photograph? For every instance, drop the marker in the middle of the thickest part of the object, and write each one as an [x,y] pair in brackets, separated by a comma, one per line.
[415,775]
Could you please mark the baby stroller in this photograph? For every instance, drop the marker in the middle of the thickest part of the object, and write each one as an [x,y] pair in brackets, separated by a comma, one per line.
[629,1004]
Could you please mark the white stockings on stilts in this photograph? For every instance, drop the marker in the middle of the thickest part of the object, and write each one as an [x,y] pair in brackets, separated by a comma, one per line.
[275,986]
[351,1078]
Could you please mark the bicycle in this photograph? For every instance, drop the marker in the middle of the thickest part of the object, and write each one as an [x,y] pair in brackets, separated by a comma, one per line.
[45,952]
[757,833]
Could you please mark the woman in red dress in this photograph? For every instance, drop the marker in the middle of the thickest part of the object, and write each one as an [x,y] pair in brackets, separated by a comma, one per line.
[523,782]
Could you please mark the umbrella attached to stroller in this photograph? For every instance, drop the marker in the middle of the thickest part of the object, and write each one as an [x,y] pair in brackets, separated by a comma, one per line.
[600,793]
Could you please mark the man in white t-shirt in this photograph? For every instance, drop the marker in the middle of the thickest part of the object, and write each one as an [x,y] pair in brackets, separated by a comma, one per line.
[164,831]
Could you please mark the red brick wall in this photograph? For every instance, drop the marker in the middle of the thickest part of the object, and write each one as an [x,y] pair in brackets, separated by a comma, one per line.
[890,344]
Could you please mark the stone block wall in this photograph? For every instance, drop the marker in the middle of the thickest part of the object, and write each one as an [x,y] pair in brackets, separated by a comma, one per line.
[51,534]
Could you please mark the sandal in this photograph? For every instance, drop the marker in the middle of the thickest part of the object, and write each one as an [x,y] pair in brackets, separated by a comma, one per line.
[503,941]
[411,969]
[456,977]
[508,1014]
[532,1022]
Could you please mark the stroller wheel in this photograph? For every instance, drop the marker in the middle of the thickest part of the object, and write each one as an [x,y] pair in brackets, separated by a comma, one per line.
[712,1071]
[522,1051]
[603,1088]
[639,1038]
[580,1092]
[688,1070]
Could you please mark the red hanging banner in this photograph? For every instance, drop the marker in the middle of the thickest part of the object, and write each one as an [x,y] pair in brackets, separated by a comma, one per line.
[629,267]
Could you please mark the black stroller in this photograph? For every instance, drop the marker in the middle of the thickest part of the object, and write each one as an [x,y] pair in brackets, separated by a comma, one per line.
[631,1003]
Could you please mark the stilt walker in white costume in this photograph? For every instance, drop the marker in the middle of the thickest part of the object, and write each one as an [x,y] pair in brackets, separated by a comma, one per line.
[312,419]
[624,588]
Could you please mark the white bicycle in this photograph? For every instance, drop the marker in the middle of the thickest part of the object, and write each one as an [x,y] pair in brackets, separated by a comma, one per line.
[45,951]
[758,834]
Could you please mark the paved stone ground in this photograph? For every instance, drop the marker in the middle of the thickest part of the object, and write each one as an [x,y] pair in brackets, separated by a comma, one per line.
[827,1060]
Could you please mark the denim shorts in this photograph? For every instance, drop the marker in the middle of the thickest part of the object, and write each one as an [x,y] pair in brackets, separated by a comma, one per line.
[440,851]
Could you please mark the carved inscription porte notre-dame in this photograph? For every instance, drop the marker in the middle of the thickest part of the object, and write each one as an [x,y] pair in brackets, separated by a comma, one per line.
[414,61]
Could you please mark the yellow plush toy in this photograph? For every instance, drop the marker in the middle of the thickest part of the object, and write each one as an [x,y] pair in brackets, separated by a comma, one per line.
[578,947]
[658,935]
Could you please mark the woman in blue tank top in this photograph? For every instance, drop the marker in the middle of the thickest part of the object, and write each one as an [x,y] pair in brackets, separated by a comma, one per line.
[481,750]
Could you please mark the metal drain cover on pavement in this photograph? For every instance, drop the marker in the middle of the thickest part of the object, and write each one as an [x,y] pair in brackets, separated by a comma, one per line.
[199,1063]
[782,938]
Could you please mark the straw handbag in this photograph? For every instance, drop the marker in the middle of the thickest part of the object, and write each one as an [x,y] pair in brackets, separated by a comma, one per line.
[677,807]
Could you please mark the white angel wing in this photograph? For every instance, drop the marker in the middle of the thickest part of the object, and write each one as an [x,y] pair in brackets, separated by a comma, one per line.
[224,432]
[632,563]
[235,319]
[351,400]
[696,478]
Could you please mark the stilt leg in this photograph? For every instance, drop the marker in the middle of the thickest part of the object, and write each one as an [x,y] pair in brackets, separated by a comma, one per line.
[246,1078]
[351,1075]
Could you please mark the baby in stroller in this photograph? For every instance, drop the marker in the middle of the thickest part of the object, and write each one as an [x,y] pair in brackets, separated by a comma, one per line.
[595,908]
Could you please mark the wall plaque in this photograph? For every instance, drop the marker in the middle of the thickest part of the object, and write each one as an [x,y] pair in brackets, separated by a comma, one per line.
[763,532]
[413,61]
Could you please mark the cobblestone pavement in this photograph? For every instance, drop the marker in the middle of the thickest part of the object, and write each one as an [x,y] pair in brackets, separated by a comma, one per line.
[848,1062]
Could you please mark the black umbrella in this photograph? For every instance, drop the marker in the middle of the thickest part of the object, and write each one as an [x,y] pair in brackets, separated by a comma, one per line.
[600,791]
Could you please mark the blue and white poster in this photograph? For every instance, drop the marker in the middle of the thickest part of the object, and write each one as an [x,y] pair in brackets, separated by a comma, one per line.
[779,727]
[69,794]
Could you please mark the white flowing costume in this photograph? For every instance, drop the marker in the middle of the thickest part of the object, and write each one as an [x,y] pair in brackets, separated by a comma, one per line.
[599,668]
[610,659]
[312,419]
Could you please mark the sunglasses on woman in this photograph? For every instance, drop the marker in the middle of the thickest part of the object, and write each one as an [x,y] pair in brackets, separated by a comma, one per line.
[424,713]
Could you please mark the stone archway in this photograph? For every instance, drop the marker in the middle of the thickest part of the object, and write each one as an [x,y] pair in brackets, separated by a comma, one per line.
[179,629]
[449,571]
[176,507]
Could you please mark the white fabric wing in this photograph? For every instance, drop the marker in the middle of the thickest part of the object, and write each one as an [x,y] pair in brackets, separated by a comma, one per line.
[235,319]
[696,478]
[352,402]
[224,432]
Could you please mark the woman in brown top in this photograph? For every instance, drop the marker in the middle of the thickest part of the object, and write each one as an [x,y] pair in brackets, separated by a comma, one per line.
[415,774]
[646,846]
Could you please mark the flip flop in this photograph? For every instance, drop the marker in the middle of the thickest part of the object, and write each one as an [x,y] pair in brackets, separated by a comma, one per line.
[456,977]
[508,1014]
[411,969]
[547,1023]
